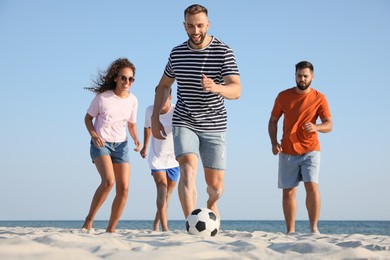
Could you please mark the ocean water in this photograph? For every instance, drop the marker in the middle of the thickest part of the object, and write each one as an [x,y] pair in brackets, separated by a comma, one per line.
[326,227]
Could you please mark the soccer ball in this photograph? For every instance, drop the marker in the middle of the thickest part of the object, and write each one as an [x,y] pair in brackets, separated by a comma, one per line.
[202,222]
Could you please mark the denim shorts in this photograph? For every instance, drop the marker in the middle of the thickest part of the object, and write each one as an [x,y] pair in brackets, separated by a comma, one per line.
[211,147]
[119,152]
[172,173]
[296,168]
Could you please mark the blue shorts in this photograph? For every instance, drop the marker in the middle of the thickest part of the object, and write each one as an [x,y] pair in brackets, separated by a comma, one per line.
[210,146]
[172,173]
[119,152]
[296,168]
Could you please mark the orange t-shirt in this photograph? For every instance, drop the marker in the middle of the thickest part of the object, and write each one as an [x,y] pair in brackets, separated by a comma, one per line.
[299,109]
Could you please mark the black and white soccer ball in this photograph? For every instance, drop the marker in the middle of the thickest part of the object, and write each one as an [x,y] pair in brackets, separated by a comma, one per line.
[202,222]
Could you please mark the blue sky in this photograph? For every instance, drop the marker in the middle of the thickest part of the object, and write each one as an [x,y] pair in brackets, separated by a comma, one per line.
[50,50]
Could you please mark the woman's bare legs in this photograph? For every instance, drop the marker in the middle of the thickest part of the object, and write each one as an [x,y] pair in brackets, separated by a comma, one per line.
[122,178]
[105,168]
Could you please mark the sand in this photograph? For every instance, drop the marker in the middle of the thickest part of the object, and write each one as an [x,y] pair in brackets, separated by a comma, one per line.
[58,243]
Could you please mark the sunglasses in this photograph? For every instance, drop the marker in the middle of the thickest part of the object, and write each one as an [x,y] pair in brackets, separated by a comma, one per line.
[130,79]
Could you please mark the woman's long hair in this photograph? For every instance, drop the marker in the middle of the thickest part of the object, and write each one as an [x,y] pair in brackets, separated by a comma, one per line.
[105,80]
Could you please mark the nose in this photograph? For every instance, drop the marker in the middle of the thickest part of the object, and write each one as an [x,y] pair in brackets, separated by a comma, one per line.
[196,30]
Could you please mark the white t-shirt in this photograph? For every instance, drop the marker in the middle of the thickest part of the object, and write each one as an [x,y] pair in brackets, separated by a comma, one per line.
[161,152]
[111,115]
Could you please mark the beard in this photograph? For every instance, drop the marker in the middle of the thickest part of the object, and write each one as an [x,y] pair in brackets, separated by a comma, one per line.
[202,37]
[302,86]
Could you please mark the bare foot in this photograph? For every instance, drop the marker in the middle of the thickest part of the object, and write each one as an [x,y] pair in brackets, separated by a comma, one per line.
[88,223]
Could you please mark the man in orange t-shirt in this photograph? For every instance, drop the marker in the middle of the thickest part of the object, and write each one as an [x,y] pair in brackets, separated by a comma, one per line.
[299,150]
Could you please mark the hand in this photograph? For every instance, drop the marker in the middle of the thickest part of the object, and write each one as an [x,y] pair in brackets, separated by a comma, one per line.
[276,149]
[143,152]
[310,127]
[158,129]
[99,142]
[137,145]
[208,84]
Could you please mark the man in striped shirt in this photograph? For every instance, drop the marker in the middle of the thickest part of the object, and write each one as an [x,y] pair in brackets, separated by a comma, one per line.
[206,73]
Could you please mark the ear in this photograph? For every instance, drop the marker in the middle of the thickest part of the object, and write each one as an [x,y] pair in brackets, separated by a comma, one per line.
[116,78]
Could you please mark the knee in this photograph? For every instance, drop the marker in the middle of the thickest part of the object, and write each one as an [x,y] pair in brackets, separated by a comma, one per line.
[108,184]
[187,173]
[122,190]
[289,193]
[162,188]
[311,187]
[215,192]
[187,168]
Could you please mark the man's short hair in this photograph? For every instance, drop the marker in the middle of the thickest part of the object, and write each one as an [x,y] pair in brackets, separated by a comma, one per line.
[304,65]
[194,9]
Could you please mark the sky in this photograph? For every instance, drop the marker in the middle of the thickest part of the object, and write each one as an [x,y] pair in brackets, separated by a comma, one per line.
[51,50]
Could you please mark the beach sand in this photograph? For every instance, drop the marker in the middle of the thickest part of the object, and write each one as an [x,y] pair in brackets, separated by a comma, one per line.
[58,243]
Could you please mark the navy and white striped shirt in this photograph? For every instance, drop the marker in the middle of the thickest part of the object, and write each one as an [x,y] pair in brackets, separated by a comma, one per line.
[195,108]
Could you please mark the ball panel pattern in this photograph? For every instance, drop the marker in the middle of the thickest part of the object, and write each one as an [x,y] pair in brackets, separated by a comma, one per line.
[202,222]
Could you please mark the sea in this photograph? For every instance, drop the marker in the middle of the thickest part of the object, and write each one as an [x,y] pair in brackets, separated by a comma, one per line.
[275,226]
